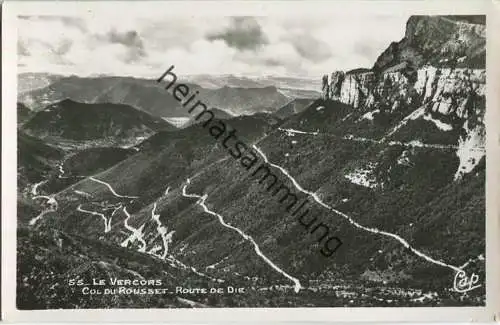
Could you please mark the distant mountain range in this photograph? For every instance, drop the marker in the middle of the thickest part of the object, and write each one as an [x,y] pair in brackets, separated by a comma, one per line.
[146,95]
[214,82]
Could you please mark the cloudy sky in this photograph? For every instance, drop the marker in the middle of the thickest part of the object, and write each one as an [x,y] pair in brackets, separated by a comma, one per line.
[252,46]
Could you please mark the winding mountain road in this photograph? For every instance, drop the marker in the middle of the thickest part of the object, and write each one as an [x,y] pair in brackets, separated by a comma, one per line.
[34,189]
[353,222]
[136,233]
[111,188]
[201,202]
[411,144]
[162,231]
[107,222]
[52,207]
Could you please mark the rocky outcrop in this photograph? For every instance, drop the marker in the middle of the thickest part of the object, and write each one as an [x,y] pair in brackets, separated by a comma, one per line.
[439,64]
[441,41]
[454,92]
[436,72]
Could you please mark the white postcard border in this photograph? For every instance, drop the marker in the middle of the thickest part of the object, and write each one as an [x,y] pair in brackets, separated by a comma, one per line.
[259,8]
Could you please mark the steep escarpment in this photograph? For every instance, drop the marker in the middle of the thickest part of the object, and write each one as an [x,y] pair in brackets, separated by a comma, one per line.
[434,75]
[440,60]
[442,41]
[453,92]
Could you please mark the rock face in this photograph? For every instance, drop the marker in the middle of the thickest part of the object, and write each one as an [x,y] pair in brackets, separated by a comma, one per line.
[436,70]
[441,41]
[439,63]
[447,91]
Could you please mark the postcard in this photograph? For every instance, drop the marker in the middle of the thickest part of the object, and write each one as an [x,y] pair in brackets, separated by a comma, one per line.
[242,161]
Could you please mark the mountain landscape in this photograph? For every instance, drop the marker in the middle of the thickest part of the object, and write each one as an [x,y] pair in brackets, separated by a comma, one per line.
[95,123]
[116,179]
[234,100]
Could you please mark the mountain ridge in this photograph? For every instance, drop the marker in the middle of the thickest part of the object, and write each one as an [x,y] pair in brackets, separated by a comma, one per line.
[391,160]
[76,121]
[146,95]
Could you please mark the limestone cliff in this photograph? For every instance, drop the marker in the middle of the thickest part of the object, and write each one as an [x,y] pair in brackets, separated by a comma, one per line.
[457,92]
[436,72]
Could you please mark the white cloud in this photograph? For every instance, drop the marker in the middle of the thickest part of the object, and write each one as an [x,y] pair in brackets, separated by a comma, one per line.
[99,44]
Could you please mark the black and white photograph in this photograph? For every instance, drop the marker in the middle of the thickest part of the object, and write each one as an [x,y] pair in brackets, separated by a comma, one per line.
[229,161]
